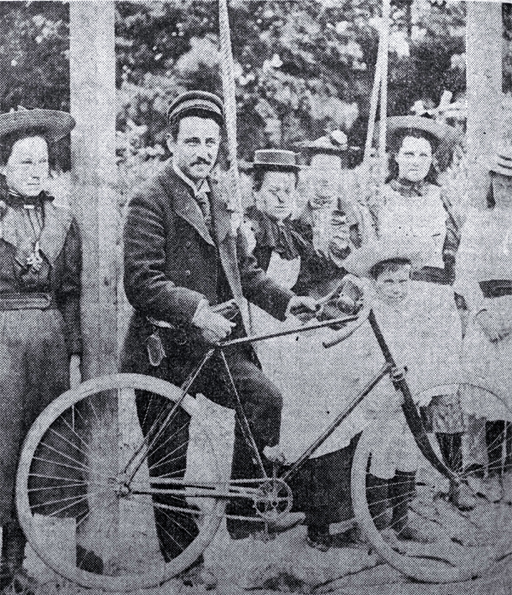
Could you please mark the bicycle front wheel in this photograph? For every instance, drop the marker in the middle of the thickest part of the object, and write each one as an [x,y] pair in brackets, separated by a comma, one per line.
[107,498]
[424,525]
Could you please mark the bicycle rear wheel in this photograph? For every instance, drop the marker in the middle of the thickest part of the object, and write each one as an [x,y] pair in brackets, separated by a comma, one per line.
[86,470]
[407,499]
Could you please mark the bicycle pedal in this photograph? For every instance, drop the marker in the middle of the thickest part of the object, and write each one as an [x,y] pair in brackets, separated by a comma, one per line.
[265,535]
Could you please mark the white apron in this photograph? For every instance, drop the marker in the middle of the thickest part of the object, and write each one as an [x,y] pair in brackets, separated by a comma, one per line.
[418,217]
[424,335]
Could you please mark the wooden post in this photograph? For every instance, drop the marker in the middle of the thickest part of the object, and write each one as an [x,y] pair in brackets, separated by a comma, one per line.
[92,64]
[92,69]
[484,92]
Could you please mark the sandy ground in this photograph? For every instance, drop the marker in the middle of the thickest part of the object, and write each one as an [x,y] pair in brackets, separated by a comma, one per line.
[285,564]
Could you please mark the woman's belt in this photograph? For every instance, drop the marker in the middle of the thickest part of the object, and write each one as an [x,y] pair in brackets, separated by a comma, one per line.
[496,288]
[27,301]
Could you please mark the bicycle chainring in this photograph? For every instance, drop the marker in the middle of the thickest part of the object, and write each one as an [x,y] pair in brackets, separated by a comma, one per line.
[274,500]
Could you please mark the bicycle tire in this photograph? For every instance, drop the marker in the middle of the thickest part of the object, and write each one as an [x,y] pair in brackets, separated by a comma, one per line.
[118,574]
[466,543]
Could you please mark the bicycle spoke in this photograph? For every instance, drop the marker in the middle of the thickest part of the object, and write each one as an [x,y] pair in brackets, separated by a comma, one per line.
[64,455]
[64,485]
[177,472]
[86,452]
[76,494]
[82,468]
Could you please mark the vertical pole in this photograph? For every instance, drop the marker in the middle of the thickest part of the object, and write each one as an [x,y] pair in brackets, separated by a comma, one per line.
[92,70]
[386,15]
[484,91]
[92,64]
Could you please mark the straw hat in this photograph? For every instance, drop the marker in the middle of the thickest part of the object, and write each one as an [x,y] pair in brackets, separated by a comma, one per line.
[275,159]
[361,261]
[440,133]
[502,163]
[52,124]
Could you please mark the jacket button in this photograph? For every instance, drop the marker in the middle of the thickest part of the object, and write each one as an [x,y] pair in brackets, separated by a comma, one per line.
[188,243]
[187,273]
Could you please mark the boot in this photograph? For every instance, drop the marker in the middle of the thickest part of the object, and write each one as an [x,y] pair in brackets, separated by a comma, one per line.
[13,554]
[461,495]
[318,537]
[402,488]
[377,498]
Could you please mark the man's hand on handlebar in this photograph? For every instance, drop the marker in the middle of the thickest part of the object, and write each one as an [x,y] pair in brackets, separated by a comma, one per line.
[346,299]
[214,327]
[303,307]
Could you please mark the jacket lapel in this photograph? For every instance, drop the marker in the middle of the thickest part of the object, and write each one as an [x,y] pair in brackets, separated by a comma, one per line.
[185,207]
[221,215]
[183,202]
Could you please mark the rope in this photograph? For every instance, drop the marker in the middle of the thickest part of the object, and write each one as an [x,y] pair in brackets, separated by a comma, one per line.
[371,192]
[229,92]
[374,102]
[386,11]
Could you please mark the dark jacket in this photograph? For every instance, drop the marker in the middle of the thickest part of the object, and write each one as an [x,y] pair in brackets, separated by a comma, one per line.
[60,272]
[318,274]
[171,262]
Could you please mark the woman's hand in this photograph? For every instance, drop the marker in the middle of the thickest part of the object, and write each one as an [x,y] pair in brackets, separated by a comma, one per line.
[493,327]
[75,370]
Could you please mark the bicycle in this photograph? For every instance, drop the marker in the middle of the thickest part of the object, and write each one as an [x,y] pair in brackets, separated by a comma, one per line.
[117,493]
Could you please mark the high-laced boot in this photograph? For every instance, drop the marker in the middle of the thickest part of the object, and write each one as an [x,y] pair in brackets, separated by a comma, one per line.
[459,494]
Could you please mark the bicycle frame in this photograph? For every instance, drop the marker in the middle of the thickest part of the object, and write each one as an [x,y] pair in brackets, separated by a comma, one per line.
[397,376]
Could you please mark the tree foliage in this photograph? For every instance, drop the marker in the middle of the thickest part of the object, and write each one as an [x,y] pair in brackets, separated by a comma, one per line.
[301,67]
[34,50]
[34,59]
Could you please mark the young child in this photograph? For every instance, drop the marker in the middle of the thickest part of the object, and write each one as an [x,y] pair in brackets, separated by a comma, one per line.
[421,325]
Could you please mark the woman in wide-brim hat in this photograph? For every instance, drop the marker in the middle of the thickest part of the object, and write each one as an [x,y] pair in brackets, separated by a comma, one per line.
[40,265]
[413,202]
[414,206]
[484,279]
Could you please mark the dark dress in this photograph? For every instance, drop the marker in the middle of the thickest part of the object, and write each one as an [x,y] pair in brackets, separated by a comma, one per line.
[322,487]
[35,342]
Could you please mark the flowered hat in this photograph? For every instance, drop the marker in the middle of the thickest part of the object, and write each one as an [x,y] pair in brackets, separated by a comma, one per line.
[332,143]
[440,133]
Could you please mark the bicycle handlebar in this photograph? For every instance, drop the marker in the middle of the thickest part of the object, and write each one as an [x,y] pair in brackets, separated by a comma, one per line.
[300,329]
[347,332]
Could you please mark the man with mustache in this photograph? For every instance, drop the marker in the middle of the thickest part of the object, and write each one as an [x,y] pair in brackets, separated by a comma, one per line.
[183,257]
